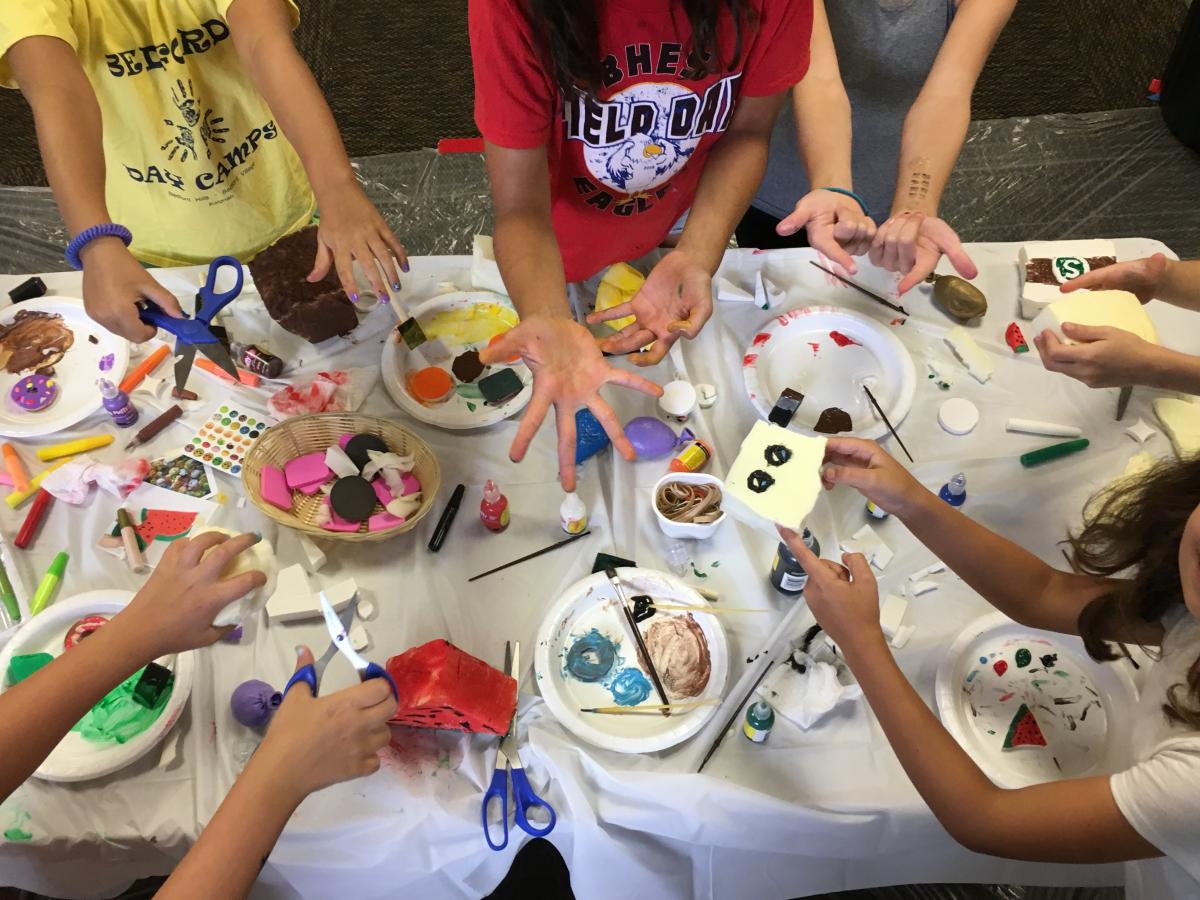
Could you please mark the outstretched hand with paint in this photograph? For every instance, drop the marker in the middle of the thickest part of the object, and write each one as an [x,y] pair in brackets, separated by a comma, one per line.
[568,372]
[675,301]
[175,608]
[843,598]
[911,243]
[836,225]
[870,469]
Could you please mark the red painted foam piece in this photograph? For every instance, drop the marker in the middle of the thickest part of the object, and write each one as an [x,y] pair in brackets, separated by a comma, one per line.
[1024,730]
[1014,339]
[273,487]
[440,686]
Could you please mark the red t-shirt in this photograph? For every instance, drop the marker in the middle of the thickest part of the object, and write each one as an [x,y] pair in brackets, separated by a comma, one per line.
[624,166]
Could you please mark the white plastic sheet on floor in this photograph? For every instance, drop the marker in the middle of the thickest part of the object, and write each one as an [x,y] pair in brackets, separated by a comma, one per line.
[806,812]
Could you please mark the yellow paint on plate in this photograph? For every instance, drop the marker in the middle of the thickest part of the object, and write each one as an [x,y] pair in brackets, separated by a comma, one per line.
[474,324]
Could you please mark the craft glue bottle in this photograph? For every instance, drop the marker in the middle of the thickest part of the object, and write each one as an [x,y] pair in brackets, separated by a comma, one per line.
[787,575]
[954,491]
[493,511]
[760,719]
[572,514]
[117,402]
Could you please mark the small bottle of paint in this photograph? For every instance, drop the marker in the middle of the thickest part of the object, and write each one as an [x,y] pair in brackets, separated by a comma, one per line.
[257,360]
[954,491]
[692,458]
[117,402]
[875,511]
[572,514]
[787,575]
[493,511]
[760,719]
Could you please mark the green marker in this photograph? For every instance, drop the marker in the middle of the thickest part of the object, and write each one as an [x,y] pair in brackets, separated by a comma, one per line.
[45,590]
[1054,451]
[8,597]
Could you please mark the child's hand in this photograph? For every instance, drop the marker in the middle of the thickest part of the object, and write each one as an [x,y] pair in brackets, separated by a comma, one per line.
[844,599]
[836,225]
[1142,277]
[866,466]
[176,606]
[314,742]
[350,230]
[911,243]
[114,283]
[1103,356]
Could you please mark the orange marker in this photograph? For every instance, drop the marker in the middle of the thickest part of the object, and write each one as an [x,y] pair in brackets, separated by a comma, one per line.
[145,367]
[247,378]
[12,463]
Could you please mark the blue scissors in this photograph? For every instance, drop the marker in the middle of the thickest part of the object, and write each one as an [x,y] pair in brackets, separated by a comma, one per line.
[196,333]
[339,640]
[508,761]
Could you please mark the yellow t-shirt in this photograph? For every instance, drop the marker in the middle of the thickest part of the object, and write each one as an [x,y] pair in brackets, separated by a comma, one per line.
[196,165]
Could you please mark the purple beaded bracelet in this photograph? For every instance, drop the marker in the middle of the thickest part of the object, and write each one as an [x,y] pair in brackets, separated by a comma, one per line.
[81,240]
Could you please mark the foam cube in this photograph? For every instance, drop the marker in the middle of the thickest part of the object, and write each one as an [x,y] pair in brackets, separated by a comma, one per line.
[1046,265]
[1116,309]
[775,479]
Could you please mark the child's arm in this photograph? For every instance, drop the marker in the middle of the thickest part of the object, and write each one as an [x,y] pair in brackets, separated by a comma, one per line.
[914,239]
[351,229]
[311,744]
[45,706]
[676,299]
[69,134]
[1075,821]
[837,225]
[568,368]
[1008,577]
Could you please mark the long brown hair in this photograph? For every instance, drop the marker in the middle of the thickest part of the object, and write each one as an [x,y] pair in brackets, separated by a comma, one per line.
[1138,525]
[569,34]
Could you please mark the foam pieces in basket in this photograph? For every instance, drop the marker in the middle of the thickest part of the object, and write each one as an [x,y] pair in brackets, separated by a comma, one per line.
[775,479]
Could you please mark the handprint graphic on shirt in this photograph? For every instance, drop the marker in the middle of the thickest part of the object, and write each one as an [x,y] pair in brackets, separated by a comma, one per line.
[183,143]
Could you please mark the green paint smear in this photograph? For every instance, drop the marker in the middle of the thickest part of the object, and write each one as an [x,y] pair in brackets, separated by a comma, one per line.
[17,832]
[716,564]
[698,573]
[118,718]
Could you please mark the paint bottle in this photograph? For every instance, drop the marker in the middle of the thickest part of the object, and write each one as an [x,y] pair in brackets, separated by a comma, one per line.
[876,512]
[572,514]
[257,360]
[787,575]
[692,458]
[493,511]
[954,491]
[760,719]
[117,402]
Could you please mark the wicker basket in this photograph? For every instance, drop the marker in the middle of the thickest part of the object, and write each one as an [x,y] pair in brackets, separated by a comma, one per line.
[315,434]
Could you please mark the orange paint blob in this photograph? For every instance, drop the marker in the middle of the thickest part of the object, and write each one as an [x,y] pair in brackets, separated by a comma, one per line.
[431,385]
[512,359]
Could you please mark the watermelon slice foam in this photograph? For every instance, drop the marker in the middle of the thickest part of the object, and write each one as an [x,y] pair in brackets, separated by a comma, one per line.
[441,687]
[1024,730]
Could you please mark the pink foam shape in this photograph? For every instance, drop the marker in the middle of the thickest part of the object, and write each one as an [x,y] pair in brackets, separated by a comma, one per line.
[309,489]
[384,520]
[382,492]
[304,471]
[411,484]
[344,440]
[6,479]
[273,487]
[337,523]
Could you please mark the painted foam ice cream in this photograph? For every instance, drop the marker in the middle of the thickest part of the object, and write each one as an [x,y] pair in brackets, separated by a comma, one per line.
[679,649]
[34,340]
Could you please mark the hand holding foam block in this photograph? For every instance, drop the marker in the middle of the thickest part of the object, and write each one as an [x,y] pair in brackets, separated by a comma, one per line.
[775,479]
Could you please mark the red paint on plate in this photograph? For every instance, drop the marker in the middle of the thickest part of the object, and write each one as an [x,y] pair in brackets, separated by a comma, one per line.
[761,338]
[842,340]
[815,347]
[749,359]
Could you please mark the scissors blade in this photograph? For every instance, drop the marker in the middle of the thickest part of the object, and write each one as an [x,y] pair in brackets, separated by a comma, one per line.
[185,356]
[1123,401]
[337,632]
[512,666]
[218,354]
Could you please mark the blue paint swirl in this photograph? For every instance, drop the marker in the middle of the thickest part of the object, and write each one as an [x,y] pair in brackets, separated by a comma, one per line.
[591,657]
[630,687]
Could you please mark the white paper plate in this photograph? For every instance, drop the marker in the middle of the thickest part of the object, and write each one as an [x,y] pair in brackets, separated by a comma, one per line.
[75,759]
[977,704]
[795,349]
[591,603]
[76,372]
[458,413]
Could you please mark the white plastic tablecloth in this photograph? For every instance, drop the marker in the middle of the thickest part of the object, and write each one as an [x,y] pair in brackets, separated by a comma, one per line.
[822,810]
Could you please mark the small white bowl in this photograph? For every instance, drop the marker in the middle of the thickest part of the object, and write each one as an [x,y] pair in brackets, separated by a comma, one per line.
[687,529]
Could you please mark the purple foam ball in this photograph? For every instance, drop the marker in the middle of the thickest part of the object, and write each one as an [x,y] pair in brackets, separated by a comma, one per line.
[235,636]
[651,437]
[254,702]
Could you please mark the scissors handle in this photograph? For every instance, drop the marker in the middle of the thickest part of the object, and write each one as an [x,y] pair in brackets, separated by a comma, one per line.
[498,789]
[214,302]
[303,675]
[374,670]
[524,799]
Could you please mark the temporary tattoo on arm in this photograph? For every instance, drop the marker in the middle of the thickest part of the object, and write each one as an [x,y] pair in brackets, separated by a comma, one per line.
[918,180]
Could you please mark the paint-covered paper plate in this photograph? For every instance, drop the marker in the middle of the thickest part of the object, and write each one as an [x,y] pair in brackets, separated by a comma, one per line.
[1031,706]
[55,323]
[116,731]
[583,660]
[464,321]
[828,354]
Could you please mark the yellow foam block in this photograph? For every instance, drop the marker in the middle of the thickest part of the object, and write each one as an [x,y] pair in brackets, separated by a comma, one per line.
[1115,309]
[1181,420]
[776,478]
[258,558]
[617,286]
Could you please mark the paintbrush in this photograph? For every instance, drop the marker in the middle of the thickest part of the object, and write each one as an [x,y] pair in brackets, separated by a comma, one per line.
[653,708]
[529,556]
[858,287]
[882,415]
[707,609]
[636,634]
[414,337]
[737,711]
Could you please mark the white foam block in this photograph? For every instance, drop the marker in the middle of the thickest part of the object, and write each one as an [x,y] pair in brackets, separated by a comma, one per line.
[903,634]
[1051,429]
[789,489]
[314,556]
[917,588]
[731,293]
[295,597]
[1181,420]
[485,274]
[969,353]
[1068,259]
[891,614]
[868,542]
[931,569]
[1116,309]
[958,415]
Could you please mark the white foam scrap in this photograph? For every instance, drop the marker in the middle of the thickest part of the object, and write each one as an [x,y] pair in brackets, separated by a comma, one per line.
[931,569]
[969,353]
[1181,420]
[359,638]
[917,588]
[1050,429]
[339,462]
[731,293]
[1140,431]
[403,507]
[314,556]
[767,295]
[1115,309]
[383,461]
[789,488]
[485,274]
[903,634]
[1068,259]
[294,597]
[891,614]
[365,609]
[706,394]
[868,542]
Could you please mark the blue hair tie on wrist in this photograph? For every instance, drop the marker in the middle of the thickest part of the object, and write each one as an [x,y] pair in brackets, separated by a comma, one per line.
[846,192]
[81,240]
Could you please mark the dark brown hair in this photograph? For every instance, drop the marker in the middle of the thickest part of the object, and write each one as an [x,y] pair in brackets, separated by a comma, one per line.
[569,33]
[1137,527]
